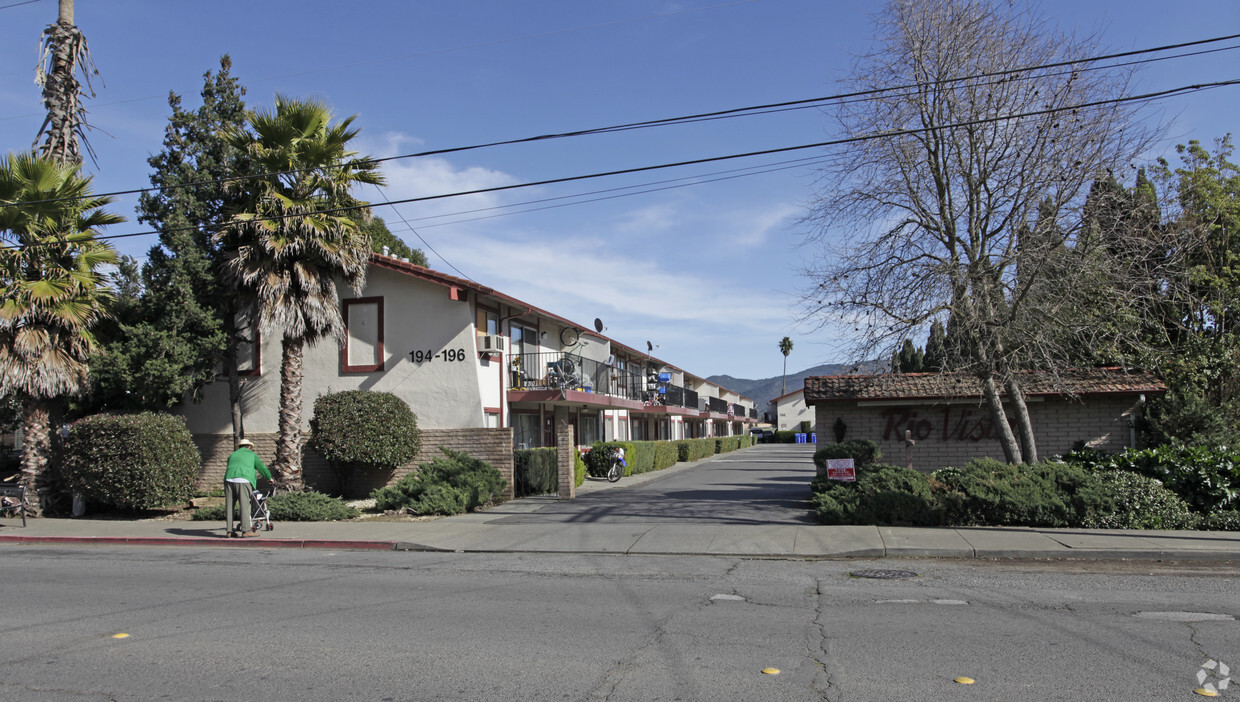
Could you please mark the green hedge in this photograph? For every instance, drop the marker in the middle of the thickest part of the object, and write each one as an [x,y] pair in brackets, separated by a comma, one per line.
[535,472]
[784,437]
[646,456]
[132,461]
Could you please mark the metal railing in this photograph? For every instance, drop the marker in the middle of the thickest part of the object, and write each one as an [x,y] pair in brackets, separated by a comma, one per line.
[556,370]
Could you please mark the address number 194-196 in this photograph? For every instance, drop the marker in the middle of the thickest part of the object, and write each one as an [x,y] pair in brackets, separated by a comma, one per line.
[450,355]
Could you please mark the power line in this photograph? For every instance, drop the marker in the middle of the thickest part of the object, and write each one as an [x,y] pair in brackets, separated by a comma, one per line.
[1147,97]
[707,116]
[19,4]
[425,242]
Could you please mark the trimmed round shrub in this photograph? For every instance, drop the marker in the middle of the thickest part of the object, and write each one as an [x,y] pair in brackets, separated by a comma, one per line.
[363,428]
[425,491]
[132,461]
[1141,503]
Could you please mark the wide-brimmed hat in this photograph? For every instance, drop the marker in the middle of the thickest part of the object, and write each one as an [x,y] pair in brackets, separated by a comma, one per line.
[245,442]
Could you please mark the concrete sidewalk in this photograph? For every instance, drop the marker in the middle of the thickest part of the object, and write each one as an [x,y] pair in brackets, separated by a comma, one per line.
[479,533]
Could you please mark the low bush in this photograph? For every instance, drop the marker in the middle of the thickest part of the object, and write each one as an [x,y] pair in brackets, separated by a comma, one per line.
[292,507]
[987,492]
[1140,503]
[863,452]
[535,471]
[132,461]
[1208,478]
[882,494]
[1225,520]
[475,481]
[784,437]
[579,469]
[309,507]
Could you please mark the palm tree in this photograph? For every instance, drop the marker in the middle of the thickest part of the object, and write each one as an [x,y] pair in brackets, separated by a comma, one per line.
[64,54]
[785,347]
[53,292]
[288,246]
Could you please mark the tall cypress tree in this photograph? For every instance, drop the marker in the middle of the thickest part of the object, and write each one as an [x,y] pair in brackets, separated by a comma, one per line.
[171,341]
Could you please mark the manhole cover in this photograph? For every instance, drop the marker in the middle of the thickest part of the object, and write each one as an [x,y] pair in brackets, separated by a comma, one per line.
[874,574]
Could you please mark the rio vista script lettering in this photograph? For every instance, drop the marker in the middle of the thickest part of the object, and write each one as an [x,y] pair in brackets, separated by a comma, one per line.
[955,424]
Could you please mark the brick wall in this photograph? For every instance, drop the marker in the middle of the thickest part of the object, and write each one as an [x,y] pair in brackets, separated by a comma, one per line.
[491,445]
[952,434]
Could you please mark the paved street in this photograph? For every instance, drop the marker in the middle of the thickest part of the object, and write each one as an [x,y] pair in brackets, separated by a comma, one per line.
[232,624]
[765,484]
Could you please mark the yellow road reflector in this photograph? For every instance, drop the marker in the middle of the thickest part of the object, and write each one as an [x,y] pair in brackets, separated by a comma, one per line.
[965,681]
[120,636]
[770,671]
[1206,693]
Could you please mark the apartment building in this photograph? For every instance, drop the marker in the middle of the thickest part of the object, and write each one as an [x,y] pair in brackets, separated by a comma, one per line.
[466,356]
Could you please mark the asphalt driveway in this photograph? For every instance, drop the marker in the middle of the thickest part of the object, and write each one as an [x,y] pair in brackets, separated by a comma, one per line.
[763,484]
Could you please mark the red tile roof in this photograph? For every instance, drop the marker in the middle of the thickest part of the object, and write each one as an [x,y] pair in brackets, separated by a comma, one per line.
[934,386]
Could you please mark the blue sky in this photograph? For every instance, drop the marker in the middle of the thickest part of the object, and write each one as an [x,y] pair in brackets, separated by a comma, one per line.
[708,272]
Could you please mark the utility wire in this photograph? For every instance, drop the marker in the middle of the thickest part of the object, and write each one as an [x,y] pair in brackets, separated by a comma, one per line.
[1147,97]
[19,4]
[425,242]
[704,116]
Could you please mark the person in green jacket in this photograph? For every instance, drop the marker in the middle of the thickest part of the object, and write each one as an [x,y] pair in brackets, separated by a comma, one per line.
[240,479]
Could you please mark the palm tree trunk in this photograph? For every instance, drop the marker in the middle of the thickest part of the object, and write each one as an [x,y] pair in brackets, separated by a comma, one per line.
[35,447]
[783,384]
[288,445]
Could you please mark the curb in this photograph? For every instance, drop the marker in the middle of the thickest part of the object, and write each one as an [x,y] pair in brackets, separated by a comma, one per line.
[196,541]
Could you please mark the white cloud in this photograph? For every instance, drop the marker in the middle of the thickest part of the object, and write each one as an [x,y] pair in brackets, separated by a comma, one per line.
[430,176]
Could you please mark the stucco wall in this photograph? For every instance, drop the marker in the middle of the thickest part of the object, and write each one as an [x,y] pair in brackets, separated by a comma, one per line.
[792,411]
[491,445]
[417,316]
[952,434]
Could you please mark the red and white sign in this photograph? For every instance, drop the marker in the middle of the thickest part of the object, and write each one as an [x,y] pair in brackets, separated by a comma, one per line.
[841,469]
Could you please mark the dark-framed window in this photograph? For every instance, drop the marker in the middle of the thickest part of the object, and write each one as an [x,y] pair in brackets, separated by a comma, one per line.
[363,335]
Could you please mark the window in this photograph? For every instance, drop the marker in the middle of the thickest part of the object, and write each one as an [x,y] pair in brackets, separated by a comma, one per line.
[525,431]
[363,338]
[487,321]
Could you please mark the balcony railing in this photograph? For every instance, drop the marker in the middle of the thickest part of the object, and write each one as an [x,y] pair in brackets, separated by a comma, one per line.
[560,371]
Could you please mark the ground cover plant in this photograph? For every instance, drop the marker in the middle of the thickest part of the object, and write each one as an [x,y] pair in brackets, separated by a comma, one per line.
[451,484]
[1164,488]
[292,507]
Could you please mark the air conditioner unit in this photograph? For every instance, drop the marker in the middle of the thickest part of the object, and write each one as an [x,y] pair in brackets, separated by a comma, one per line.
[492,342]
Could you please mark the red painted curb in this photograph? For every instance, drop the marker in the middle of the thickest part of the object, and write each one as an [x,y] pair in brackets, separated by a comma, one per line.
[198,541]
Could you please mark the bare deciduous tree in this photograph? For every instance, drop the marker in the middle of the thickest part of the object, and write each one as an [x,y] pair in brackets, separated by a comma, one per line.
[962,211]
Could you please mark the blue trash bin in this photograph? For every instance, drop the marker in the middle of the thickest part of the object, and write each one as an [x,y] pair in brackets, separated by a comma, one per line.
[813,438]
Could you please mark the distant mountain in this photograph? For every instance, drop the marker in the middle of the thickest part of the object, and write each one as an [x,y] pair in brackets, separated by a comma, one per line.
[767,389]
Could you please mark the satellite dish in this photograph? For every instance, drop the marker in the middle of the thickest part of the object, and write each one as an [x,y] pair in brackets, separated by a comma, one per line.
[598,325]
[649,347]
